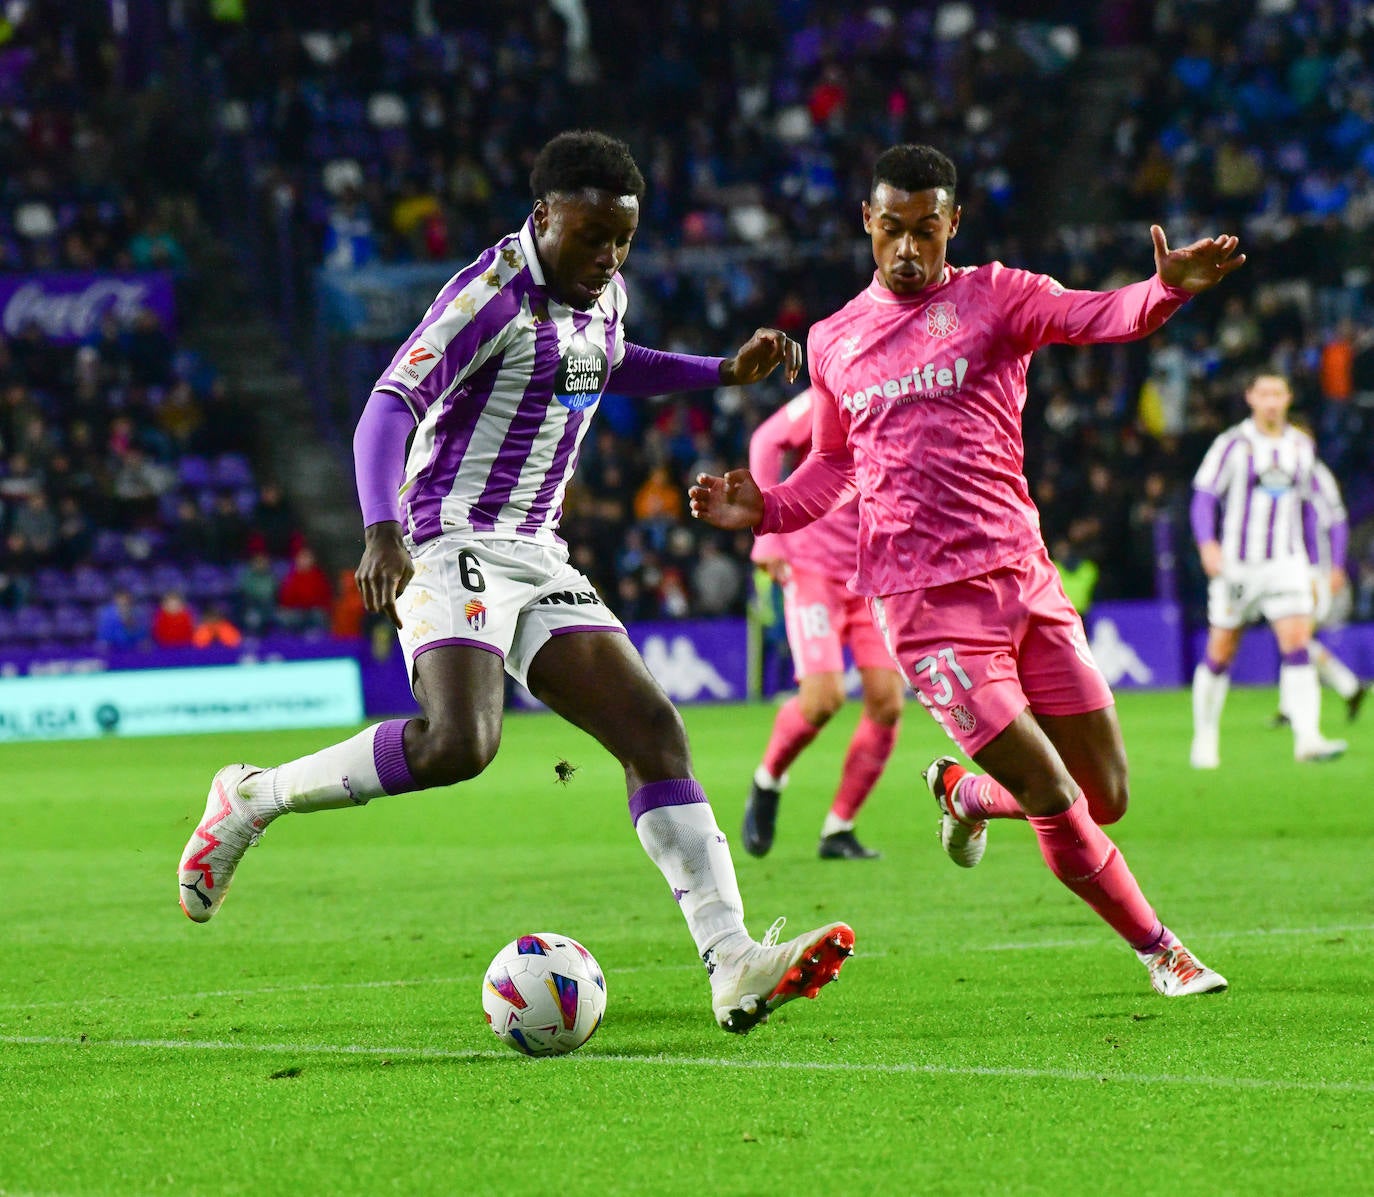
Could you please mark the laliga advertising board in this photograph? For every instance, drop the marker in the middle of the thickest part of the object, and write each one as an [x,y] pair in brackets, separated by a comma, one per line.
[155,702]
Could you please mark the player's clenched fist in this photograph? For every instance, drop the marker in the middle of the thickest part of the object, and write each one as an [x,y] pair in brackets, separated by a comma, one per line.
[732,502]
[759,356]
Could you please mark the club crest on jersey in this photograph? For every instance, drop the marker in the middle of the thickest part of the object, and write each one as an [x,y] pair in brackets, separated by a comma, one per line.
[475,611]
[582,373]
[942,319]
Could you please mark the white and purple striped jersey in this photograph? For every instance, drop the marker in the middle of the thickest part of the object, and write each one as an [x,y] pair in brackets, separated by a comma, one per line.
[1264,487]
[503,381]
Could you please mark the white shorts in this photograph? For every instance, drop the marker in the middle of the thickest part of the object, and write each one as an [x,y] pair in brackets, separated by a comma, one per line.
[1245,593]
[508,597]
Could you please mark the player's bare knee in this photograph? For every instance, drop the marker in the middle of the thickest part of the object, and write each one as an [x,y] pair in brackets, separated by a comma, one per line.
[446,754]
[820,701]
[1109,802]
[885,711]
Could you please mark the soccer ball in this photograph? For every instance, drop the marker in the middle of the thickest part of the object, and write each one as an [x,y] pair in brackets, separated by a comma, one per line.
[544,995]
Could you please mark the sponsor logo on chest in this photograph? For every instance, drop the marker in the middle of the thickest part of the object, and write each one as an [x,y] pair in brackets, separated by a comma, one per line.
[582,373]
[923,382]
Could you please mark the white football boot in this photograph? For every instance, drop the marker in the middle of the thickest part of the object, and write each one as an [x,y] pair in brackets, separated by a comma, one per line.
[1319,749]
[748,986]
[1176,972]
[217,845]
[964,842]
[1205,752]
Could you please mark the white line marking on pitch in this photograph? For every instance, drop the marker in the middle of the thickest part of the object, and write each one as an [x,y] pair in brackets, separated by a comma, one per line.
[438,1053]
[473,977]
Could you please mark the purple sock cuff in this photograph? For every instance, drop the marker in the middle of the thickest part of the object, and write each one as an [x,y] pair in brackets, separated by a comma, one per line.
[680,791]
[1299,656]
[1160,939]
[389,756]
[1213,667]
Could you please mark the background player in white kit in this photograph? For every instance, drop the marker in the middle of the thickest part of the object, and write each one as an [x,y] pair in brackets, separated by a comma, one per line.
[1331,593]
[497,385]
[823,617]
[1254,518]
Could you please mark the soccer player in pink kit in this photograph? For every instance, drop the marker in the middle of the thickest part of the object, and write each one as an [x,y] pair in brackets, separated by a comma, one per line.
[823,616]
[920,381]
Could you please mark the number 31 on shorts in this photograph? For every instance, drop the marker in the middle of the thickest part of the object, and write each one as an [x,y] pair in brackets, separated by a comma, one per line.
[942,691]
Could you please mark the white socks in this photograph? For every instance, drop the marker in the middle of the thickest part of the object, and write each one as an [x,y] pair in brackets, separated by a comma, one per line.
[692,854]
[1209,697]
[834,824]
[341,775]
[1300,699]
[1334,673]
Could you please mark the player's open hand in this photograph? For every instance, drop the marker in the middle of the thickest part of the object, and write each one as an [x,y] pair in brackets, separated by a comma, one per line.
[732,502]
[385,570]
[760,355]
[1198,266]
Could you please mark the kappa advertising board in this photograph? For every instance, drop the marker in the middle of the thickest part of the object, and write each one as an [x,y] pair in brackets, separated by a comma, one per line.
[155,702]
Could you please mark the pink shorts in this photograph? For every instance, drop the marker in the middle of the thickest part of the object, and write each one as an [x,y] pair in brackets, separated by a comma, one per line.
[978,652]
[823,618]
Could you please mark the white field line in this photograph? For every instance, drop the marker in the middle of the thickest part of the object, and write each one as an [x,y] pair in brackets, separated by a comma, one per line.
[470,978]
[664,1061]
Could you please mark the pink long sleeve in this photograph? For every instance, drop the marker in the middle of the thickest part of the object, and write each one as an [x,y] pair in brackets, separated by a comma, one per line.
[821,483]
[1044,313]
[787,428]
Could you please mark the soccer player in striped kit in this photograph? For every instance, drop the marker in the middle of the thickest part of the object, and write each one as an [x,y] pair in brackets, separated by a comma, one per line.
[920,381]
[823,617]
[498,385]
[1254,515]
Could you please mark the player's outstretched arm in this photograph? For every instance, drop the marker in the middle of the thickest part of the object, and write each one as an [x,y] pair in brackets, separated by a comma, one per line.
[759,356]
[1199,266]
[733,502]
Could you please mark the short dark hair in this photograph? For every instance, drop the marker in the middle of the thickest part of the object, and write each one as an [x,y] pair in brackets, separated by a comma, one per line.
[915,168]
[584,158]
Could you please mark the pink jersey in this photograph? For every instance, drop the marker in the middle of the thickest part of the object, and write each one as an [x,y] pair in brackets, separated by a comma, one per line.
[830,546]
[918,408]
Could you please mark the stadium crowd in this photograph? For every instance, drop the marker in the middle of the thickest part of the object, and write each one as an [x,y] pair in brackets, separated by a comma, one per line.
[384,135]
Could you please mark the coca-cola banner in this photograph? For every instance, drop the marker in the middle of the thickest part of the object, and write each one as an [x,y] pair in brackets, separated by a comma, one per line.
[69,307]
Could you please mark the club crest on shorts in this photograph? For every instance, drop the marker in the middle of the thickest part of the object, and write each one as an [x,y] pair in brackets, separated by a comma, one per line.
[475,611]
[941,319]
[964,719]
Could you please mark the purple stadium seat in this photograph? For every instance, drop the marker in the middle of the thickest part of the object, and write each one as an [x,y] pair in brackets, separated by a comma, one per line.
[246,500]
[89,585]
[109,548]
[51,585]
[7,634]
[164,577]
[33,623]
[135,580]
[212,581]
[231,470]
[72,623]
[194,471]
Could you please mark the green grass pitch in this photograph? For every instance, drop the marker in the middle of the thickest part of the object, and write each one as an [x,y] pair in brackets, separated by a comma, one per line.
[325,1034]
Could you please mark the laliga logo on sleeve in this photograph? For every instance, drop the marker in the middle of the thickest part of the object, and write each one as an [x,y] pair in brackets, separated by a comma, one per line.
[582,373]
[941,319]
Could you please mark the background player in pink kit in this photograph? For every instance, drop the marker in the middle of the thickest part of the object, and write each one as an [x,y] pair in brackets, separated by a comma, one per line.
[823,616]
[920,381]
[495,390]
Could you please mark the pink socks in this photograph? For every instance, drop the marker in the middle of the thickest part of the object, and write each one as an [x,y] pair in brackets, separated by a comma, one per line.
[1083,858]
[791,733]
[868,754]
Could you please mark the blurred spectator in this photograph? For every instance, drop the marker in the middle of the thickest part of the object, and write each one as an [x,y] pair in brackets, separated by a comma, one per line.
[257,594]
[37,524]
[349,614]
[120,625]
[216,628]
[173,624]
[226,531]
[305,598]
[717,581]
